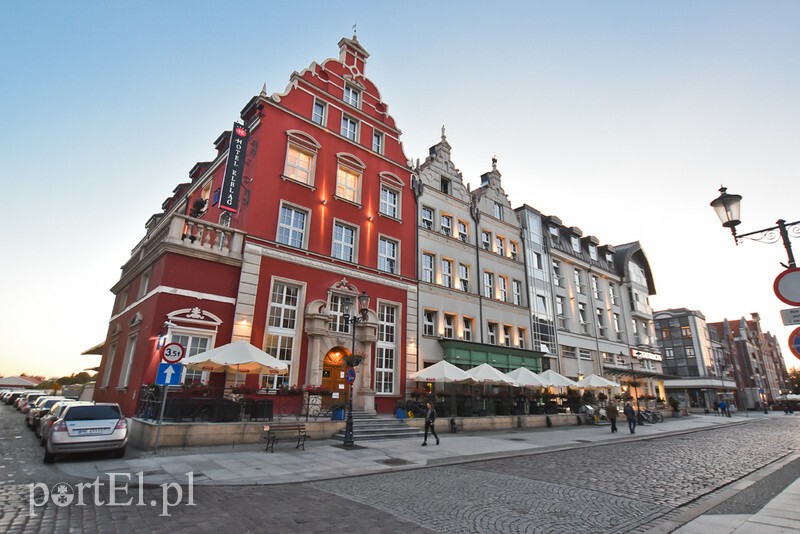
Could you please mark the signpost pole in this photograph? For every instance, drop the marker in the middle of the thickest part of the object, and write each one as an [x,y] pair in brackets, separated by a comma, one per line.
[160,416]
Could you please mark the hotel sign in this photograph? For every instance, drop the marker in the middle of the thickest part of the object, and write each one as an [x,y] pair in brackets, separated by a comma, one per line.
[234,169]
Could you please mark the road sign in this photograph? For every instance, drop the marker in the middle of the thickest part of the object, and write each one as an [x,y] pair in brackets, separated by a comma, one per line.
[794,342]
[169,374]
[350,375]
[172,353]
[791,316]
[787,286]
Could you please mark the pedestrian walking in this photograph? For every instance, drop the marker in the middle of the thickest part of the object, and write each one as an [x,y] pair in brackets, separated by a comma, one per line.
[430,421]
[723,407]
[630,414]
[716,407]
[611,414]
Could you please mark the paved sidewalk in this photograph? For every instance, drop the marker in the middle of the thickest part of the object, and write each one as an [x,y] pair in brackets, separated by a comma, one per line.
[328,459]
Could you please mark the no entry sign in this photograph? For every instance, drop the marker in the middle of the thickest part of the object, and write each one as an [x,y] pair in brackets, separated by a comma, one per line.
[787,286]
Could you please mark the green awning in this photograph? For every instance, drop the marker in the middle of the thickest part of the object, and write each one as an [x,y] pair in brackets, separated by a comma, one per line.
[466,355]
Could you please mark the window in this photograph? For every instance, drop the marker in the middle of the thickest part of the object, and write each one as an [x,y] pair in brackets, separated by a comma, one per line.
[521,335]
[462,231]
[582,314]
[428,322]
[686,331]
[578,286]
[601,322]
[500,245]
[616,325]
[502,282]
[282,327]
[593,251]
[336,309]
[512,246]
[446,225]
[112,352]
[690,352]
[557,279]
[387,255]
[506,335]
[612,294]
[449,323]
[144,283]
[445,185]
[352,96]
[467,322]
[560,306]
[348,182]
[385,349]
[377,142]
[389,202]
[344,242]
[319,112]
[463,277]
[283,307]
[576,244]
[292,226]
[427,217]
[596,287]
[492,333]
[567,352]
[541,305]
[488,285]
[498,210]
[447,273]
[553,232]
[349,128]
[299,165]
[516,291]
[427,267]
[669,353]
[486,239]
[610,259]
[192,345]
[281,345]
[127,362]
[585,354]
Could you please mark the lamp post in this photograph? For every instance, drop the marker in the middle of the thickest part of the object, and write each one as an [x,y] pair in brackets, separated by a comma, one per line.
[633,383]
[728,208]
[353,360]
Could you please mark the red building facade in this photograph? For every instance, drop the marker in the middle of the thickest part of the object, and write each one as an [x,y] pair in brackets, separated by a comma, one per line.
[323,192]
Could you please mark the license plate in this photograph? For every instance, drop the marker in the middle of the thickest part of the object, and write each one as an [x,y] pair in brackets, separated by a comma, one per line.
[93,430]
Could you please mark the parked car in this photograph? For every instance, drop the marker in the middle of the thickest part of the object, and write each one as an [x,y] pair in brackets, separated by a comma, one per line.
[46,422]
[24,403]
[40,406]
[88,428]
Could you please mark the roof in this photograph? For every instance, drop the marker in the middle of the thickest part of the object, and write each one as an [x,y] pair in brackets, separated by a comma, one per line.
[18,381]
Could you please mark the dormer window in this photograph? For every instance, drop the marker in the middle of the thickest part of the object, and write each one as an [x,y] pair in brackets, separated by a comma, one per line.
[352,96]
[593,252]
[553,232]
[498,210]
[576,244]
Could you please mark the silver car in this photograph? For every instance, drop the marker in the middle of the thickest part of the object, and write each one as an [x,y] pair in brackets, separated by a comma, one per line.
[88,428]
[39,407]
[50,417]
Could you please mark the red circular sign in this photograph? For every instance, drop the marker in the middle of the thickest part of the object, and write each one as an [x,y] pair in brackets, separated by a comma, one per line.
[241,132]
[172,353]
[787,286]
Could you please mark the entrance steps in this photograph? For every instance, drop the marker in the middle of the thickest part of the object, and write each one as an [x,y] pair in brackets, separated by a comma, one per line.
[373,427]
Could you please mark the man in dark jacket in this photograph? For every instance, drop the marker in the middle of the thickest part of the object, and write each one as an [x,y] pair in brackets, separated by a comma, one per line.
[611,414]
[630,414]
[430,420]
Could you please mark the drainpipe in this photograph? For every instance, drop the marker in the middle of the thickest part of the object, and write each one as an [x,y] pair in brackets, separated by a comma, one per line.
[476,216]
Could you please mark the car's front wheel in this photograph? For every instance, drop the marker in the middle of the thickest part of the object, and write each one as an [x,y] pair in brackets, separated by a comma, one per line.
[49,457]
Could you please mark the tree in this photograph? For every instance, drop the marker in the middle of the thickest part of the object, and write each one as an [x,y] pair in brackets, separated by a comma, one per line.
[794,380]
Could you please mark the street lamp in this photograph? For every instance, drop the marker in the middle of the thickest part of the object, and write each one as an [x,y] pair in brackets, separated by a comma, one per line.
[633,383]
[353,360]
[728,209]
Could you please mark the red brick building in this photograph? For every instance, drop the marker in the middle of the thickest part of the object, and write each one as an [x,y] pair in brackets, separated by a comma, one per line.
[310,211]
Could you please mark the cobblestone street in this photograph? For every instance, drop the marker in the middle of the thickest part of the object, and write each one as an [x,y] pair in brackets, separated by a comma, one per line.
[621,487]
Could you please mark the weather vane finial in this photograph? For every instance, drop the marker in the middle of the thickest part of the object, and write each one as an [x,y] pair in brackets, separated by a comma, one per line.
[355,29]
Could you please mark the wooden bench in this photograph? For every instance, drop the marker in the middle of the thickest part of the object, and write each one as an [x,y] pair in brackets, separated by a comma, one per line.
[273,431]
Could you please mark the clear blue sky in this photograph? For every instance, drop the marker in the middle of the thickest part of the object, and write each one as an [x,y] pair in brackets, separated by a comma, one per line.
[621,118]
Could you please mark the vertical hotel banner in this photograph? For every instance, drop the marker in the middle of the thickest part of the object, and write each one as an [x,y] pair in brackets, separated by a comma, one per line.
[232,183]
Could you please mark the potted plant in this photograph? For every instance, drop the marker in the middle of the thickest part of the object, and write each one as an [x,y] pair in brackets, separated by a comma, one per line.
[676,406]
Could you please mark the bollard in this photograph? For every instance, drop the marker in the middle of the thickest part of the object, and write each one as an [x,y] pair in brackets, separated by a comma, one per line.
[453,427]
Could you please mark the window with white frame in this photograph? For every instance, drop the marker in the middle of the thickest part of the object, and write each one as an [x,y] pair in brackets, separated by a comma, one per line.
[463,277]
[541,305]
[596,287]
[498,210]
[127,362]
[467,325]
[486,240]
[516,291]
[617,325]
[377,141]
[193,344]
[387,255]
[427,217]
[601,322]
[592,251]
[462,231]
[446,225]
[447,273]
[389,202]
[344,242]
[429,323]
[144,283]
[513,248]
[336,311]
[428,261]
[560,306]
[280,345]
[352,96]
[299,164]
[488,285]
[500,245]
[582,313]
[386,349]
[292,226]
[492,331]
[349,128]
[568,352]
[521,338]
[112,352]
[449,325]
[283,307]
[553,232]
[502,283]
[610,259]
[348,184]
[612,294]
[319,112]
[585,354]
[506,335]
[578,285]
[576,244]
[558,280]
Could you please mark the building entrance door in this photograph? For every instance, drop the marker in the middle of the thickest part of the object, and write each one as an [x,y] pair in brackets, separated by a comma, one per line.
[333,369]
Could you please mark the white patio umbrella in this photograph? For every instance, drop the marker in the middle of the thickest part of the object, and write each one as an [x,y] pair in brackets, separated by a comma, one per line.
[486,374]
[551,378]
[525,377]
[442,371]
[236,357]
[596,381]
